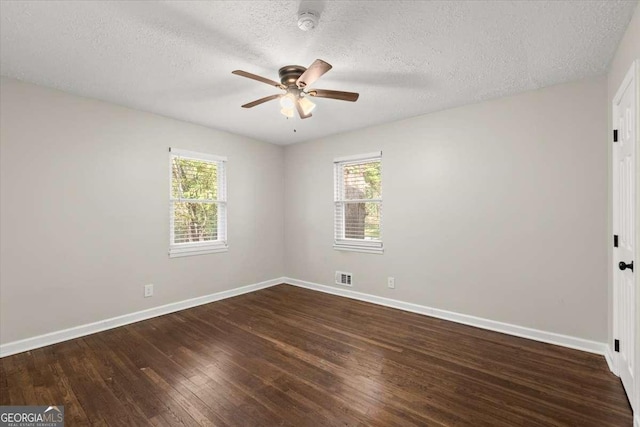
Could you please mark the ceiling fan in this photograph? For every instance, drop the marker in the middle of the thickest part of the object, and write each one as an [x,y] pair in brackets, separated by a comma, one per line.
[294,80]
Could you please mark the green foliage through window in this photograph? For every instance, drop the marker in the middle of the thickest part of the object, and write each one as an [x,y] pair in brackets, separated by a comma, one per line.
[194,192]
[362,181]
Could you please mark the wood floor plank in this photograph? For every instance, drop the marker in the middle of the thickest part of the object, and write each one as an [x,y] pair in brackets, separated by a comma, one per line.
[292,337]
[286,356]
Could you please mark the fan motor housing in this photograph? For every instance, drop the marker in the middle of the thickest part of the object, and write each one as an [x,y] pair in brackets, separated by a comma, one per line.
[289,74]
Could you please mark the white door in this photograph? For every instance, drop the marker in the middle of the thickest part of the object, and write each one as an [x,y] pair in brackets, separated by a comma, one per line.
[625,116]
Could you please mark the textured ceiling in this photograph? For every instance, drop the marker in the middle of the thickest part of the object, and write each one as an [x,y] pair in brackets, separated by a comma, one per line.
[404,57]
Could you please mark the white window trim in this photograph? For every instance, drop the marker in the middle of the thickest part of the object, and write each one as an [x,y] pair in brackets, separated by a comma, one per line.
[177,250]
[355,245]
[376,155]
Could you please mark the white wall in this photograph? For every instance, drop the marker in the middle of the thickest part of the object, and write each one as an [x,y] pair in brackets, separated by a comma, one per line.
[628,51]
[497,210]
[84,211]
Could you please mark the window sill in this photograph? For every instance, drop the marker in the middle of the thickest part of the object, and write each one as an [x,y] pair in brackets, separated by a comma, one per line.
[357,248]
[197,250]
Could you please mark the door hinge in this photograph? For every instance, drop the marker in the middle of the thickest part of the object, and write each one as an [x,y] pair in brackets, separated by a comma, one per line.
[616,345]
[615,135]
[615,240]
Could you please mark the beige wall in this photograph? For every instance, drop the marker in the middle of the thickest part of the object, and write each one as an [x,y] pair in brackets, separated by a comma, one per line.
[497,210]
[84,211]
[628,51]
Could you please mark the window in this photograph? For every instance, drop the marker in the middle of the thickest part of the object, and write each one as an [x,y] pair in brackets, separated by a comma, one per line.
[358,203]
[198,204]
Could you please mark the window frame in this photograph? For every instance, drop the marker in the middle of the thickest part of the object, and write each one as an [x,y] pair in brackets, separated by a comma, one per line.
[341,243]
[208,247]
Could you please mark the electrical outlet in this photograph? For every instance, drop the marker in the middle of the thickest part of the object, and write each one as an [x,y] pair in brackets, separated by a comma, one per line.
[148,291]
[391,282]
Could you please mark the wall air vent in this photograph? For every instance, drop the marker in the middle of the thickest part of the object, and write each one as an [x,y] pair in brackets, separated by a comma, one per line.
[343,278]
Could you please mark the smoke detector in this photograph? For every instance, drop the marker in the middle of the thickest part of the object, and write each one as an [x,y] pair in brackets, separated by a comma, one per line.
[307,20]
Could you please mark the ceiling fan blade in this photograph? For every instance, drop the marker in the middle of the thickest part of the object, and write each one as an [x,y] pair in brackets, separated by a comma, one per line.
[301,112]
[261,100]
[313,73]
[258,78]
[334,94]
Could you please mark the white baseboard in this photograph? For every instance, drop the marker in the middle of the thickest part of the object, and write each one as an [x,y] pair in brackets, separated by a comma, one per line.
[520,331]
[609,357]
[492,325]
[114,322]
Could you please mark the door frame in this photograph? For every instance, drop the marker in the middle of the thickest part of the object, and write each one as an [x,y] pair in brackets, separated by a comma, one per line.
[633,73]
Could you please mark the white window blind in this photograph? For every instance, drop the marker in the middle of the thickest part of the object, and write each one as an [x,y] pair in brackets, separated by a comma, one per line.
[198,203]
[358,203]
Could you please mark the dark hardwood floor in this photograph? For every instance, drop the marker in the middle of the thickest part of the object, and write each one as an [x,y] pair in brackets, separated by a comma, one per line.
[294,357]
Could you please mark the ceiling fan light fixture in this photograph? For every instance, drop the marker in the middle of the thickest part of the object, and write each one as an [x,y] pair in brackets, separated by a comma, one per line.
[287,112]
[288,101]
[288,104]
[306,105]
